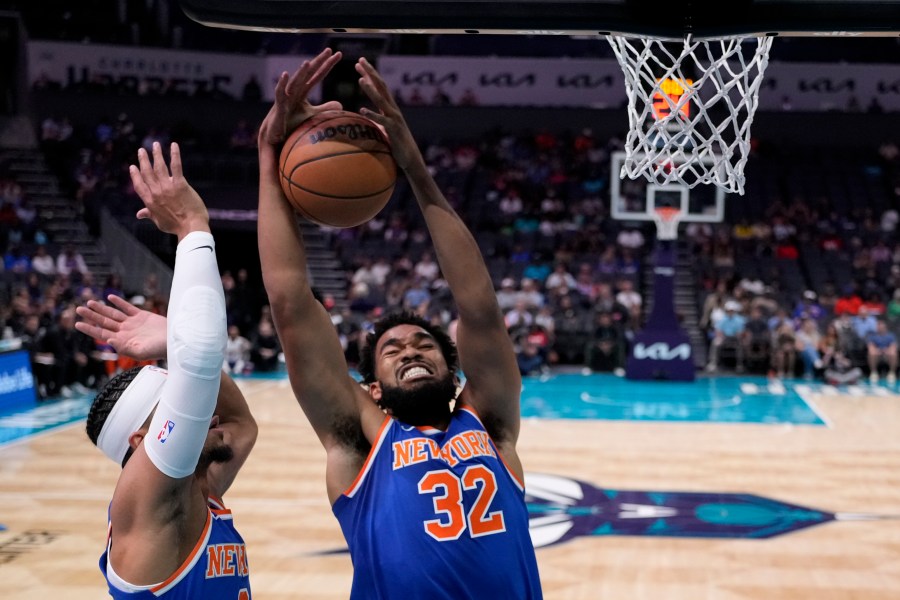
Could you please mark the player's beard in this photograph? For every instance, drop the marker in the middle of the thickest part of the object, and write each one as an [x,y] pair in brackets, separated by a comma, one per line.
[427,403]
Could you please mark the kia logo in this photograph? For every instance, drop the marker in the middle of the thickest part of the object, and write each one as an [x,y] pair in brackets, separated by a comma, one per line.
[662,351]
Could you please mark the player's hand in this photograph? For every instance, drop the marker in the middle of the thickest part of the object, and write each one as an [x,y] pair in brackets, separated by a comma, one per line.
[387,115]
[169,200]
[292,105]
[133,332]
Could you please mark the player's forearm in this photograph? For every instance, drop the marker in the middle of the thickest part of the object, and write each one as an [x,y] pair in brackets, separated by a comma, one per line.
[282,254]
[232,406]
[195,266]
[196,351]
[455,248]
[235,416]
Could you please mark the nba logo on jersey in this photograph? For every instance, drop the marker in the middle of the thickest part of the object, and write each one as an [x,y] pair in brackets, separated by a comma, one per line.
[165,431]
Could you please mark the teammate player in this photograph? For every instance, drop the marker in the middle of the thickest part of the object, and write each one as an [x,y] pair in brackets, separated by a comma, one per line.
[430,498]
[181,436]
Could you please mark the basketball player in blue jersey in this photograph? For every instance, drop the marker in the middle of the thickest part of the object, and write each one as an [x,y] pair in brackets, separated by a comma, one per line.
[180,435]
[427,486]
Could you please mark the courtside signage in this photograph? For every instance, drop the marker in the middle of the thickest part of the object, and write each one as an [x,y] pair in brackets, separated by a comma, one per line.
[16,382]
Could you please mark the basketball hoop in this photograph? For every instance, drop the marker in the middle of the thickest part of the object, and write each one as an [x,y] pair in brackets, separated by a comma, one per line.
[666,219]
[702,132]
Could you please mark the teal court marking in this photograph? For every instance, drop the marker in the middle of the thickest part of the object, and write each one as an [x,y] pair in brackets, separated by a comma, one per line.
[720,399]
[708,400]
[574,396]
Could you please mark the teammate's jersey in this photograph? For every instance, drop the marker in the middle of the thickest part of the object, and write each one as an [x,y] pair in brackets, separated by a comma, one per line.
[437,514]
[216,568]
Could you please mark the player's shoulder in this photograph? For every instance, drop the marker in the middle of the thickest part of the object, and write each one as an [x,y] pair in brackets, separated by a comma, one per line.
[467,413]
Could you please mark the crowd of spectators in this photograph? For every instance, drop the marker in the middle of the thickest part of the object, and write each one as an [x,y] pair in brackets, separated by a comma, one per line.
[40,313]
[568,277]
[570,299]
[843,322]
[41,283]
[831,337]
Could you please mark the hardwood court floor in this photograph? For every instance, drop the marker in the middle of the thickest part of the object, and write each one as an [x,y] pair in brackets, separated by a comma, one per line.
[56,488]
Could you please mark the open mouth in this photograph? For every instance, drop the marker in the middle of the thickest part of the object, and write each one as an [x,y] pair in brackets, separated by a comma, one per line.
[414,372]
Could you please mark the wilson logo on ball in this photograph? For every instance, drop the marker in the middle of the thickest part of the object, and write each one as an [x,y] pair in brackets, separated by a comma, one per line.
[353,132]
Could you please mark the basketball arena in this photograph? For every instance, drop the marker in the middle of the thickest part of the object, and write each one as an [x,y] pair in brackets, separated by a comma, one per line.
[690,221]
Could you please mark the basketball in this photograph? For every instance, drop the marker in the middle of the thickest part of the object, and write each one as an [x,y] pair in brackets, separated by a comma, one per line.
[337,169]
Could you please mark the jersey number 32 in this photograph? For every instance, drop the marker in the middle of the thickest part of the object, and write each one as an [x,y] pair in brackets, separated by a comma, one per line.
[448,504]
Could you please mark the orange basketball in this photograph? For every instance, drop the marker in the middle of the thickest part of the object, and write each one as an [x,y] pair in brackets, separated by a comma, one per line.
[337,169]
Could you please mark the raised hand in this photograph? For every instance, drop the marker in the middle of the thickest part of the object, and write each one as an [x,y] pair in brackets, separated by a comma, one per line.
[292,105]
[169,200]
[387,115]
[133,332]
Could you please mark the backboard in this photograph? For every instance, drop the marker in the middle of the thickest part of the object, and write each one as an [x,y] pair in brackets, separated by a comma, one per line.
[555,17]
[638,199]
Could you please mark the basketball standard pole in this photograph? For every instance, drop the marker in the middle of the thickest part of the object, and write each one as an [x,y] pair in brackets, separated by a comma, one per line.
[662,349]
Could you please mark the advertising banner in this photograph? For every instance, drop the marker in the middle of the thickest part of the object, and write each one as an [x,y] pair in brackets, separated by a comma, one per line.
[823,87]
[16,382]
[485,81]
[506,81]
[142,70]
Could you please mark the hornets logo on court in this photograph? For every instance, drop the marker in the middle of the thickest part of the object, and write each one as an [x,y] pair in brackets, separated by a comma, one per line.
[561,509]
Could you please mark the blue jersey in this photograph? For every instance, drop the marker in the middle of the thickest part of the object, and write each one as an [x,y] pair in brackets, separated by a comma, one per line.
[437,514]
[216,568]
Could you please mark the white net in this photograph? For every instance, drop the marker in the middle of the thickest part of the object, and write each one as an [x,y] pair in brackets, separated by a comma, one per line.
[667,220]
[690,107]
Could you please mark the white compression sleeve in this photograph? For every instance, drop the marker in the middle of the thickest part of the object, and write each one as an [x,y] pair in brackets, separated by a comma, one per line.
[196,351]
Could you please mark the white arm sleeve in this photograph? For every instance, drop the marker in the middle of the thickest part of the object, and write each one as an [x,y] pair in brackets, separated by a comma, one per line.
[196,351]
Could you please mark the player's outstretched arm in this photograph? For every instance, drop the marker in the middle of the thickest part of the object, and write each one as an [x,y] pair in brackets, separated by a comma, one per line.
[486,353]
[141,335]
[158,509]
[315,361]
